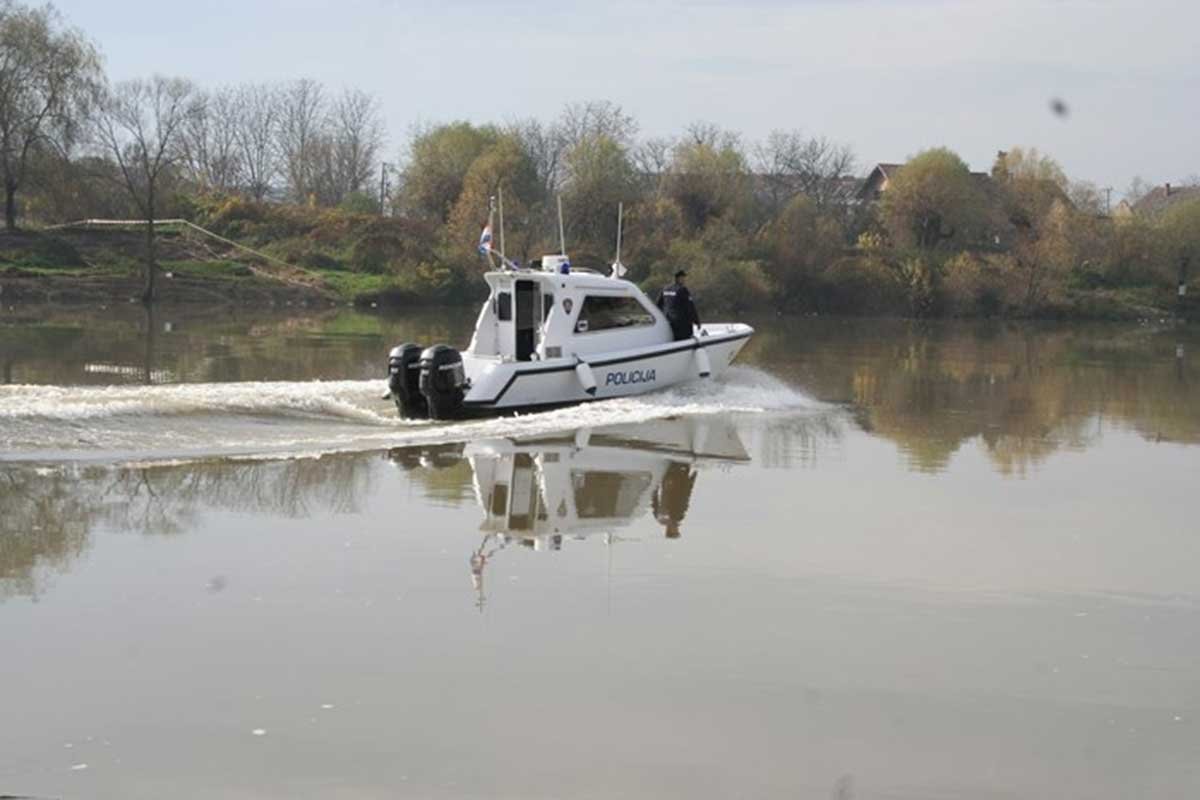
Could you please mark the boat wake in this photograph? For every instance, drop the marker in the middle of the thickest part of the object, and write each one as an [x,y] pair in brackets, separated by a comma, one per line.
[190,421]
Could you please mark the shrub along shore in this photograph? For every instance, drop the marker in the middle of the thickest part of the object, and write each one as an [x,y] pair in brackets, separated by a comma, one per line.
[344,256]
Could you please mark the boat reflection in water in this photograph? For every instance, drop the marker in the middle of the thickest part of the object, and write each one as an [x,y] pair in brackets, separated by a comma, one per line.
[538,492]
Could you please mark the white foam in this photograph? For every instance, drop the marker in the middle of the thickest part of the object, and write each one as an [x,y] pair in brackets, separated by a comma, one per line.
[163,424]
[343,399]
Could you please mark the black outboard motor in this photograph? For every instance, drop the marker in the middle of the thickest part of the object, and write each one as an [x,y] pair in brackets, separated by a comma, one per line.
[443,381]
[404,380]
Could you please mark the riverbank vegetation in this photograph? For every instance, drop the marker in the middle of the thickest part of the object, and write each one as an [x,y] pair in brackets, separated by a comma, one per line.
[295,174]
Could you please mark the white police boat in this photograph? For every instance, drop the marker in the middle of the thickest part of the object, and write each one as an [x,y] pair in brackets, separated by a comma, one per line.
[551,336]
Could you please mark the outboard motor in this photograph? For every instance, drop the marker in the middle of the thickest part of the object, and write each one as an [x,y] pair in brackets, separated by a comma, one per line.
[404,380]
[443,381]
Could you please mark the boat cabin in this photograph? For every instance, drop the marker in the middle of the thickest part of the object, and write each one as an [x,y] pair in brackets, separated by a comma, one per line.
[560,312]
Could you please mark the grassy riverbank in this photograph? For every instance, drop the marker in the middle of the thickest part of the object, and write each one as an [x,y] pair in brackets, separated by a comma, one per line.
[87,266]
[291,255]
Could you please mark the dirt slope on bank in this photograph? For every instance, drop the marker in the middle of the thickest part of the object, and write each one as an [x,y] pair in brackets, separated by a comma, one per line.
[105,266]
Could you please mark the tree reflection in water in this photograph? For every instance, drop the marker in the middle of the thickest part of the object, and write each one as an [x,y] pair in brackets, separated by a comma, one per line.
[1024,390]
[202,344]
[49,513]
[45,525]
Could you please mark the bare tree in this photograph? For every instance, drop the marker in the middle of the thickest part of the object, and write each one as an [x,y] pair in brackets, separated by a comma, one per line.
[583,121]
[209,142]
[1139,187]
[548,144]
[256,129]
[543,144]
[356,136]
[302,117]
[652,160]
[139,125]
[48,72]
[712,136]
[789,163]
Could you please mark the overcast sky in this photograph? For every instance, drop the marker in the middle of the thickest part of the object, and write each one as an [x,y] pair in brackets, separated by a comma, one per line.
[888,77]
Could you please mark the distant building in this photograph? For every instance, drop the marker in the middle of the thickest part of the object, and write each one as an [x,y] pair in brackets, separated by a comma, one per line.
[880,178]
[1003,222]
[877,181]
[1157,201]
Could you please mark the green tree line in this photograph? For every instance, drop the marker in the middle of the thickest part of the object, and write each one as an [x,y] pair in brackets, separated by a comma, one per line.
[780,224]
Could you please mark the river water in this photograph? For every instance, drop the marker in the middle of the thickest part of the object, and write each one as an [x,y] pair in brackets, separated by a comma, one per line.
[878,559]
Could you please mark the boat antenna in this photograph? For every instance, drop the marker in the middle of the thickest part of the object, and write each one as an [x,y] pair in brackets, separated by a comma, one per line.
[562,237]
[500,192]
[618,269]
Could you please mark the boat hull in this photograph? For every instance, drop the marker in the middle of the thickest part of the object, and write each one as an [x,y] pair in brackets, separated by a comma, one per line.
[505,387]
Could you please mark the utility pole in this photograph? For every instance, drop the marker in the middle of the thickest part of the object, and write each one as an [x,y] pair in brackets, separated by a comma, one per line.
[1108,201]
[383,168]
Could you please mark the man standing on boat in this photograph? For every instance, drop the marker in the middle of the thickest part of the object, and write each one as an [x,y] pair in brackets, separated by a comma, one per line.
[676,302]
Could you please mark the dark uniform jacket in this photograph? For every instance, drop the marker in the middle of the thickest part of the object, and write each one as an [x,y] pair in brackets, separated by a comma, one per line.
[676,302]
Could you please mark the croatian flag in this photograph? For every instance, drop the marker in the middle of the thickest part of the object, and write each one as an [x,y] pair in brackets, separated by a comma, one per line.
[485,240]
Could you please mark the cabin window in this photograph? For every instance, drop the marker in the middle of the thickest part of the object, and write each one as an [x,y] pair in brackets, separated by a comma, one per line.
[606,313]
[504,307]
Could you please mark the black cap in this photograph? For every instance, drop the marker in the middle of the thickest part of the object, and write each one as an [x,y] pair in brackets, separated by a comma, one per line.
[681,273]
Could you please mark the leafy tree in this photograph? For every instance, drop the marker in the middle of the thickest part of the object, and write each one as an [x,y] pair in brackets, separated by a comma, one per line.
[1031,184]
[1128,251]
[934,200]
[439,159]
[359,203]
[599,175]
[547,145]
[1088,198]
[1034,196]
[651,225]
[48,74]
[81,188]
[503,164]
[719,274]
[1044,257]
[800,243]
[1180,228]
[708,177]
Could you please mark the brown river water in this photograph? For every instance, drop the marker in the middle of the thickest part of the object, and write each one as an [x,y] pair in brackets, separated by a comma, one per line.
[878,559]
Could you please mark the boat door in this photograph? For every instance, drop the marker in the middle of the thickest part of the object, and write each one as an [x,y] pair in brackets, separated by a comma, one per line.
[528,318]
